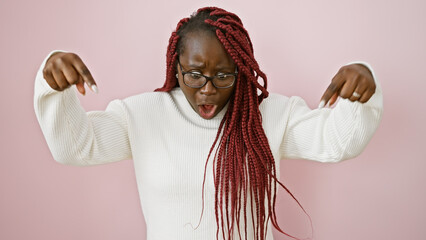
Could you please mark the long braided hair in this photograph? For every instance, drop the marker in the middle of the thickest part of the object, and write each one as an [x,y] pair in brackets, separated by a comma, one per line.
[244,161]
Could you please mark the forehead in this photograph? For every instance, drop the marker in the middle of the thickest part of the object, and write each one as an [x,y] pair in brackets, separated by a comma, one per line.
[204,48]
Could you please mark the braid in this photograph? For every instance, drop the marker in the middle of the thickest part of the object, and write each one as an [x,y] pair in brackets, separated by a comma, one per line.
[243,162]
[171,57]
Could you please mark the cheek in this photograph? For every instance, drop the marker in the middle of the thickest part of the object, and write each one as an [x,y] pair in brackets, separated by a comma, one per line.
[189,93]
[228,94]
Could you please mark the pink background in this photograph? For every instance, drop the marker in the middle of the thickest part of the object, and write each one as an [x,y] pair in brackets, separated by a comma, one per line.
[300,45]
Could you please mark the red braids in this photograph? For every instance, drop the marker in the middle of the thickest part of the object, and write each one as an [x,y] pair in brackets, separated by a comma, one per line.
[172,54]
[243,161]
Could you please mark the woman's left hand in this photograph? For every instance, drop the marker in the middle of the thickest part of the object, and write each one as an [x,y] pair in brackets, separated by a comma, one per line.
[354,82]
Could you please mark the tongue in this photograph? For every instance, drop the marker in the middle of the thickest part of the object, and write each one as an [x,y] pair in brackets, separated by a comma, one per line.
[207,111]
[208,107]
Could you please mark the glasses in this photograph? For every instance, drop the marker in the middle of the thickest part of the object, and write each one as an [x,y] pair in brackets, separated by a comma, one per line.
[198,80]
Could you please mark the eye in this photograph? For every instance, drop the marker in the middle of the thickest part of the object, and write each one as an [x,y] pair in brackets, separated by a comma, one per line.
[225,77]
[195,75]
[222,76]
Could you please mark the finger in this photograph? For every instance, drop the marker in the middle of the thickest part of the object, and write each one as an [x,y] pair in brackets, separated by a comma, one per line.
[71,75]
[333,99]
[84,72]
[74,78]
[50,80]
[334,87]
[80,87]
[366,96]
[348,88]
[355,96]
[60,79]
[357,93]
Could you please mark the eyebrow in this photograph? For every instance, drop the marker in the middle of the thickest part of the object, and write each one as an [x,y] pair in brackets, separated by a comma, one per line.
[201,65]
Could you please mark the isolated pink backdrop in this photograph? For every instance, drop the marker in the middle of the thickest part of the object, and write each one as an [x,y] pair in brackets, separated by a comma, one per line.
[300,45]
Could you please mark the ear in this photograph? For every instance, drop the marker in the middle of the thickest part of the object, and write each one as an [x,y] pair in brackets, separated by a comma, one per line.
[177,74]
[177,69]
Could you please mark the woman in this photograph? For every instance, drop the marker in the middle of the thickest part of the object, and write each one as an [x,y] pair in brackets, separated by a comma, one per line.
[206,147]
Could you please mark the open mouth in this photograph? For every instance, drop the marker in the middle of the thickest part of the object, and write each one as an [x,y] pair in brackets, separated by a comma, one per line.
[207,111]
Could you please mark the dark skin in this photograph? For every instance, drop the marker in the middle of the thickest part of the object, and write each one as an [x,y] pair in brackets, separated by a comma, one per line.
[350,79]
[63,70]
[204,53]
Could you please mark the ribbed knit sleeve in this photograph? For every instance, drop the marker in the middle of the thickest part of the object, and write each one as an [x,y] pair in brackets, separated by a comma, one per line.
[331,135]
[75,137]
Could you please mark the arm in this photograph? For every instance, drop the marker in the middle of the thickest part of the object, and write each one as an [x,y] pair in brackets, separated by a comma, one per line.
[331,135]
[75,137]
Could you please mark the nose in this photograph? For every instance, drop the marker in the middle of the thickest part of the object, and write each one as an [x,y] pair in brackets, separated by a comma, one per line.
[208,89]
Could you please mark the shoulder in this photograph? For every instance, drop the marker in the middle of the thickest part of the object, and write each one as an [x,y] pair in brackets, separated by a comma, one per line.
[274,98]
[274,101]
[280,106]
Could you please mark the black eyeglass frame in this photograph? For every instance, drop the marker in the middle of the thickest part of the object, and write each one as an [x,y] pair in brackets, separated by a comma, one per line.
[206,77]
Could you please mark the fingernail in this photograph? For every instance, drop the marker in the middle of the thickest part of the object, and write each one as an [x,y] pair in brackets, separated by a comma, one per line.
[94,88]
[322,104]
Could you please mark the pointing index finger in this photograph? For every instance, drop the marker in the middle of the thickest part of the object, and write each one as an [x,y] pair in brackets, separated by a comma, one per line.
[332,89]
[85,74]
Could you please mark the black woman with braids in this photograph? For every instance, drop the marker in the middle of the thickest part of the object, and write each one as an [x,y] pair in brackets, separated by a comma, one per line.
[207,145]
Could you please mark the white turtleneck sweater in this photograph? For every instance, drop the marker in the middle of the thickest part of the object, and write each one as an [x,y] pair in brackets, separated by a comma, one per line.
[169,142]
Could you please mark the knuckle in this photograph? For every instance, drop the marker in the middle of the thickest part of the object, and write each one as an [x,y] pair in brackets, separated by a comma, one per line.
[71,75]
[48,67]
[345,95]
[85,70]
[73,57]
[73,80]
[46,71]
[332,87]
[349,71]
[86,74]
[364,80]
[60,61]
[344,69]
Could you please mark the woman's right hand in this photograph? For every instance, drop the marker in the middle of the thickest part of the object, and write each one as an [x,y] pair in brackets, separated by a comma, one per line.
[63,70]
